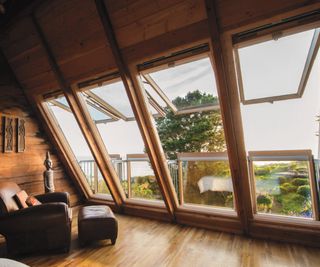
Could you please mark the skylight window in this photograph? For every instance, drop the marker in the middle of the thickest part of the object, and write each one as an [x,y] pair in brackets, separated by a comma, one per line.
[277,69]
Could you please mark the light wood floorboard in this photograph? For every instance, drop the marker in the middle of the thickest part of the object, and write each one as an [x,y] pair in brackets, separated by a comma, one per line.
[143,242]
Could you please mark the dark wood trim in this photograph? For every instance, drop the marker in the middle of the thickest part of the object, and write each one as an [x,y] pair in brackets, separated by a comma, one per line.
[84,121]
[141,113]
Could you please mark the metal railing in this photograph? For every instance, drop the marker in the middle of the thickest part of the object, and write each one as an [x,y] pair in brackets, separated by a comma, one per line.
[124,170]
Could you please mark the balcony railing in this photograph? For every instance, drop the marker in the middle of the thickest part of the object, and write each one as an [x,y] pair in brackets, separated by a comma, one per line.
[203,167]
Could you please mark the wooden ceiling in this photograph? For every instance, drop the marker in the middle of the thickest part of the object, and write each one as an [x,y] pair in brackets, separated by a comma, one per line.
[143,29]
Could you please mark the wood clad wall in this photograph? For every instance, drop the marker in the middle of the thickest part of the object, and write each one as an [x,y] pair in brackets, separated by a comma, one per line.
[26,169]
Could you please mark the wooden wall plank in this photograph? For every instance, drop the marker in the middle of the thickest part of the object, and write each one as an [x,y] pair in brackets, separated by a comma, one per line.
[26,169]
[161,21]
[233,13]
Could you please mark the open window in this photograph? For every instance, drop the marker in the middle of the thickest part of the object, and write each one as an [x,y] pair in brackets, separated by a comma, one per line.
[63,117]
[111,112]
[282,66]
[190,128]
[281,137]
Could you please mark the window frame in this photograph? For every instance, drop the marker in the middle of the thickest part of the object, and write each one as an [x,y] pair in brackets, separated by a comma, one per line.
[284,155]
[191,55]
[271,35]
[51,120]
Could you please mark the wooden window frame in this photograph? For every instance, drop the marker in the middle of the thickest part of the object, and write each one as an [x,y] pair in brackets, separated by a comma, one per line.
[284,155]
[191,55]
[109,79]
[267,35]
[51,120]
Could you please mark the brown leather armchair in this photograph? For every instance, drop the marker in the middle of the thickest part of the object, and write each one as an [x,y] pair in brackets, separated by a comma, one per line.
[37,228]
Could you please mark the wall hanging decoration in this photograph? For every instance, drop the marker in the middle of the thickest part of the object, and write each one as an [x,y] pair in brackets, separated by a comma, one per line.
[21,135]
[8,134]
[12,134]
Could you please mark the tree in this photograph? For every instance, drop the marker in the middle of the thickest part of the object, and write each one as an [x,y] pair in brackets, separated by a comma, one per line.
[192,132]
[196,132]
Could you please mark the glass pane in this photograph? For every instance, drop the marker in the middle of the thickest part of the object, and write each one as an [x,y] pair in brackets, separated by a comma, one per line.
[275,67]
[179,81]
[207,183]
[96,114]
[283,188]
[187,138]
[116,96]
[143,181]
[73,135]
[122,138]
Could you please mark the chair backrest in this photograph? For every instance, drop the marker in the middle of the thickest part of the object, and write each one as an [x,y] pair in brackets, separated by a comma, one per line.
[7,193]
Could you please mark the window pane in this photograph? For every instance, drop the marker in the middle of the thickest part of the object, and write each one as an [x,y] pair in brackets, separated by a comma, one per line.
[121,136]
[73,135]
[143,181]
[207,183]
[274,68]
[283,188]
[187,137]
[178,81]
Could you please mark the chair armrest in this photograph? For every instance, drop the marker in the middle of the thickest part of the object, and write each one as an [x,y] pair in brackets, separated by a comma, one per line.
[54,197]
[35,218]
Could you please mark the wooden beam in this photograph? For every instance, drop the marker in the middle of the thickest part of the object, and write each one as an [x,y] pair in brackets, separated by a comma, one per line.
[144,119]
[233,129]
[85,123]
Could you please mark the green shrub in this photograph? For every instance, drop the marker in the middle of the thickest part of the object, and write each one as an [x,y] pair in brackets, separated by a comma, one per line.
[264,202]
[293,204]
[142,191]
[287,188]
[300,181]
[304,190]
[283,180]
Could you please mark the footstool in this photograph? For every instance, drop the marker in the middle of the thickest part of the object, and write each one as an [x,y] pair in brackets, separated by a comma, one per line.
[97,223]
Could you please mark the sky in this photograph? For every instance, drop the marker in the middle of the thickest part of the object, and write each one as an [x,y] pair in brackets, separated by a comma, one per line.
[270,68]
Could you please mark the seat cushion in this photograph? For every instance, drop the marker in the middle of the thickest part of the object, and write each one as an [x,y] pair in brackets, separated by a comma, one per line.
[95,212]
[7,192]
[96,223]
[21,198]
[32,201]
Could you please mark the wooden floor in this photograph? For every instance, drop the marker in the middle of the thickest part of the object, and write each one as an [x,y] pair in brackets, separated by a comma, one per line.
[143,242]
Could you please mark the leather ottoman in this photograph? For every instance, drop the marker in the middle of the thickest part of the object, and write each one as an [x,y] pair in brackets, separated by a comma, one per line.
[97,223]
